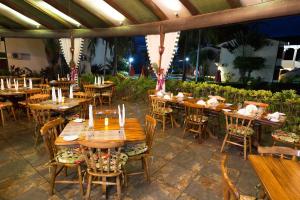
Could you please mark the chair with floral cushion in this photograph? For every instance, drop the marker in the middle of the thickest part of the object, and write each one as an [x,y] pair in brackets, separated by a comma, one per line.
[238,129]
[161,112]
[143,151]
[41,115]
[104,161]
[230,190]
[195,121]
[8,106]
[282,152]
[61,157]
[286,137]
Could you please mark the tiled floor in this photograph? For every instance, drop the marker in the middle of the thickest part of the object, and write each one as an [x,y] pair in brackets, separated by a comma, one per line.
[180,168]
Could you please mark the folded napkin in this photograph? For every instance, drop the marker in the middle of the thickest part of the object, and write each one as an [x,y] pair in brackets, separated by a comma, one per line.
[251,109]
[68,77]
[121,116]
[91,117]
[58,77]
[2,84]
[168,97]
[273,116]
[53,94]
[201,102]
[180,95]
[71,92]
[160,94]
[30,83]
[96,82]
[212,101]
[25,85]
[242,111]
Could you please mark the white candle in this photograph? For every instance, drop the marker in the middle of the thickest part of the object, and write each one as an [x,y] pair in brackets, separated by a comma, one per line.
[105,121]
[25,83]
[2,84]
[58,77]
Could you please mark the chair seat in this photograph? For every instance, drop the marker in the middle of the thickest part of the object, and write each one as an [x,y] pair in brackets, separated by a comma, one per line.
[240,130]
[197,118]
[107,94]
[69,156]
[245,197]
[136,149]
[5,104]
[163,111]
[286,136]
[113,158]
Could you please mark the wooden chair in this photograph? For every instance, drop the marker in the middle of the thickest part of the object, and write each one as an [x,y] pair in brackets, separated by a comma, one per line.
[219,98]
[104,160]
[41,115]
[28,94]
[37,98]
[45,88]
[143,151]
[161,112]
[81,95]
[106,95]
[150,93]
[61,157]
[284,137]
[92,92]
[230,190]
[195,121]
[6,106]
[238,129]
[282,152]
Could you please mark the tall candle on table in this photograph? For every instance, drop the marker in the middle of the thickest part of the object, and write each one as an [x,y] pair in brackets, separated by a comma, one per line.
[25,85]
[30,83]
[2,84]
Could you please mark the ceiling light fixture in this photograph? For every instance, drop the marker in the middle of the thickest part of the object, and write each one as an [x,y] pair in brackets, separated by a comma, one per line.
[4,8]
[173,5]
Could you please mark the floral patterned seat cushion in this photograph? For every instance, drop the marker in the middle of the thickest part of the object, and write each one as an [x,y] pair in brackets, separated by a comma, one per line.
[69,156]
[136,149]
[113,158]
[197,118]
[240,130]
[286,136]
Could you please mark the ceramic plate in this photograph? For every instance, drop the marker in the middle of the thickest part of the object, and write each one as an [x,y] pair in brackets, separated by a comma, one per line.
[78,120]
[228,104]
[190,97]
[226,110]
[70,137]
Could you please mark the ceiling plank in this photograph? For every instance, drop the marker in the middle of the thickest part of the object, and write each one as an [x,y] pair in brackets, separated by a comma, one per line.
[191,8]
[25,12]
[115,5]
[10,24]
[64,9]
[155,9]
[234,3]
[270,9]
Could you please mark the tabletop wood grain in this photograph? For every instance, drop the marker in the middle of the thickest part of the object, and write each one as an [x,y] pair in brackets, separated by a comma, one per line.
[280,177]
[134,132]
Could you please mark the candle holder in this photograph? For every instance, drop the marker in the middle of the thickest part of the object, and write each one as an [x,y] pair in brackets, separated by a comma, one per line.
[106,121]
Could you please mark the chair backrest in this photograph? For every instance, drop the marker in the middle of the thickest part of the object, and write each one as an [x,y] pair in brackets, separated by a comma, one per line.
[38,98]
[230,191]
[151,92]
[81,95]
[236,120]
[282,152]
[84,108]
[41,114]
[50,131]
[102,157]
[158,105]
[193,112]
[258,104]
[89,90]
[45,88]
[150,125]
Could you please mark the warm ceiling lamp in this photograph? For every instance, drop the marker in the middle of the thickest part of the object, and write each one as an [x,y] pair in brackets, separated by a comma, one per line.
[5,9]
[104,9]
[48,8]
[173,5]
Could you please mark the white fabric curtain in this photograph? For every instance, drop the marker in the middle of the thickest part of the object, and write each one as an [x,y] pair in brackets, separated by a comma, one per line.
[65,44]
[170,43]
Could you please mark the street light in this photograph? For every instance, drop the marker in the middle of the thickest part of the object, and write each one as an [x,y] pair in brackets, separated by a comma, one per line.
[130,60]
[187,59]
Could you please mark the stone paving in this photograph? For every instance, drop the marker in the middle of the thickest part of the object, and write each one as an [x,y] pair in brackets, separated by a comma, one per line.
[180,168]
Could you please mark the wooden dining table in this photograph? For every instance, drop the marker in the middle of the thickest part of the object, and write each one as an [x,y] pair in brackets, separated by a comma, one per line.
[279,177]
[132,131]
[62,107]
[21,91]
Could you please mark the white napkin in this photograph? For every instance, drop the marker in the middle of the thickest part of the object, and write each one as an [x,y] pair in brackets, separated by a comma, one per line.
[58,77]
[59,94]
[53,94]
[212,101]
[121,116]
[274,116]
[180,95]
[17,85]
[99,80]
[201,102]
[71,92]
[91,117]
[102,80]
[30,83]
[250,109]
[242,111]
[160,94]
[2,84]
[167,97]
[68,77]
[25,85]
[95,82]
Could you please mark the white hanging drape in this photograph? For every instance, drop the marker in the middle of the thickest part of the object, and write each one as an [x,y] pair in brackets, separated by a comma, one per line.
[65,44]
[170,43]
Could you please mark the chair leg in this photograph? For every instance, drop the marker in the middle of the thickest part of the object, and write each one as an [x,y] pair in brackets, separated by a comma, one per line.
[164,123]
[13,112]
[118,187]
[245,148]
[52,181]
[104,186]
[146,168]
[2,117]
[80,180]
[88,191]
[250,145]
[224,142]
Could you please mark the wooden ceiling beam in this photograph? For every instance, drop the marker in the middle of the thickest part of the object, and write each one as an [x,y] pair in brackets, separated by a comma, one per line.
[234,3]
[155,9]
[191,8]
[19,9]
[271,9]
[64,9]
[115,5]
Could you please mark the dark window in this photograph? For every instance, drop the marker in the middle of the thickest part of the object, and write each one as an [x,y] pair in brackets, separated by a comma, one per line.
[289,54]
[298,55]
[280,52]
